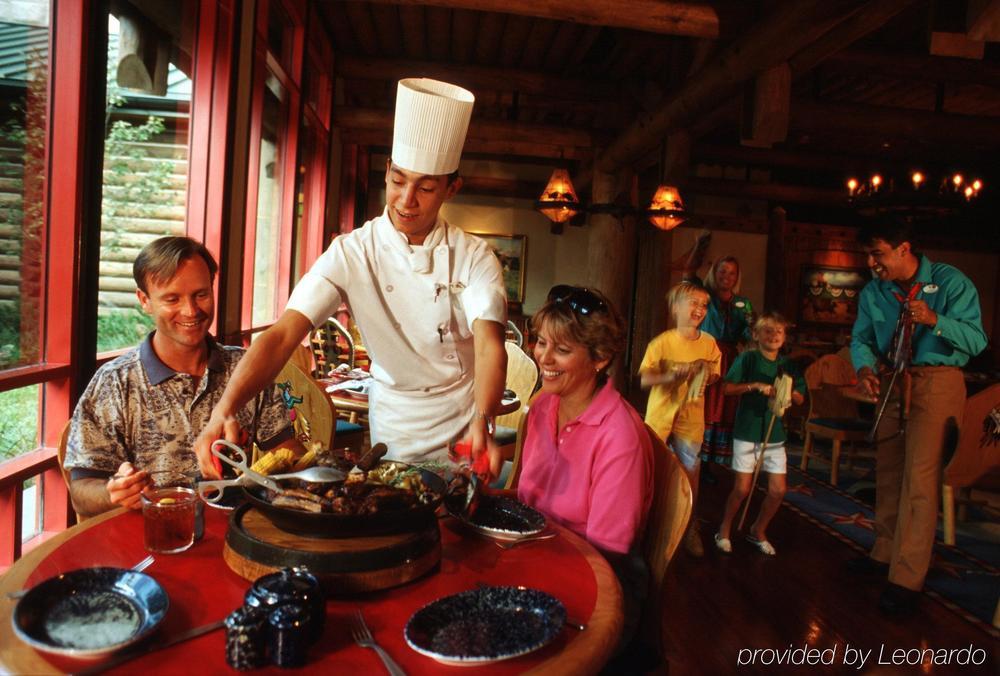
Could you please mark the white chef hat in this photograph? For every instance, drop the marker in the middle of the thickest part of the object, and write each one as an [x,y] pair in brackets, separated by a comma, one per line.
[432,118]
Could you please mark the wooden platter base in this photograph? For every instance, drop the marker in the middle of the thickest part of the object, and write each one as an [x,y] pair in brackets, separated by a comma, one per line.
[346,566]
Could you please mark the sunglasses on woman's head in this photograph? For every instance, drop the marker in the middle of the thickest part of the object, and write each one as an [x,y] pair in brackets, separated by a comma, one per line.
[582,300]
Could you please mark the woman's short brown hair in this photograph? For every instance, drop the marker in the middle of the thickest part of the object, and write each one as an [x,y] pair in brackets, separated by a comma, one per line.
[601,331]
[158,261]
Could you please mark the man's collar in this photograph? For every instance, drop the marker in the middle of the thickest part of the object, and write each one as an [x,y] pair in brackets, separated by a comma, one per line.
[157,371]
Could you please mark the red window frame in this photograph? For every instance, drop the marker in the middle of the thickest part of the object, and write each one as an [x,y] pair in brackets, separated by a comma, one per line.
[265,62]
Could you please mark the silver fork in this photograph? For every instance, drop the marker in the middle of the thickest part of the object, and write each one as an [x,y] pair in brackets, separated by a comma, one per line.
[363,637]
[139,567]
[509,544]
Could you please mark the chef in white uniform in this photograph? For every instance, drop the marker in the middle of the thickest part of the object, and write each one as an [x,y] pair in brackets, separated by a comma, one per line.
[428,299]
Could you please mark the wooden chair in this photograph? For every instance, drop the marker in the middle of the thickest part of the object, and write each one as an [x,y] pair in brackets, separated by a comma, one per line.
[832,415]
[976,460]
[332,344]
[303,358]
[665,524]
[61,455]
[522,379]
[313,414]
[515,463]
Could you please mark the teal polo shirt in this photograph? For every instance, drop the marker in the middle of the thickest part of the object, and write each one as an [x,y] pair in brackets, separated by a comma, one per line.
[957,336]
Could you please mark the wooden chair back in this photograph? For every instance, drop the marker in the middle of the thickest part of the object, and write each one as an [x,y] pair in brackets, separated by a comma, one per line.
[313,414]
[522,428]
[303,358]
[665,524]
[976,455]
[61,456]
[824,377]
[522,378]
[332,345]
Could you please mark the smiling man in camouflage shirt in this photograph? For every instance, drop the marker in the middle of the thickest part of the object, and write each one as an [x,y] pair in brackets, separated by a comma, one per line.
[142,412]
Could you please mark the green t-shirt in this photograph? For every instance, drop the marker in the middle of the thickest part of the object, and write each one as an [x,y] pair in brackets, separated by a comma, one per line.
[752,415]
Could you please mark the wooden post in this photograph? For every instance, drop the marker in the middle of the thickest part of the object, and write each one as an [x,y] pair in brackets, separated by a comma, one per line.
[142,56]
[653,260]
[765,107]
[611,246]
[776,279]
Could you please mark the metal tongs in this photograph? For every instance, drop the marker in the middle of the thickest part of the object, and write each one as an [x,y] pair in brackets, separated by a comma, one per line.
[212,491]
[900,361]
[471,471]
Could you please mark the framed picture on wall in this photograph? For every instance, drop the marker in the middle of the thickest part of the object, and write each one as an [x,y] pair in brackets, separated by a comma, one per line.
[510,249]
[829,295]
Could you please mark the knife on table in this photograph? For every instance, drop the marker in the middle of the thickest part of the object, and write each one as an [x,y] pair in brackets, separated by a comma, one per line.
[150,647]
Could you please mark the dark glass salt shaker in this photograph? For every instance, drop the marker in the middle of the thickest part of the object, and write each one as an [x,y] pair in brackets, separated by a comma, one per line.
[246,638]
[291,585]
[289,637]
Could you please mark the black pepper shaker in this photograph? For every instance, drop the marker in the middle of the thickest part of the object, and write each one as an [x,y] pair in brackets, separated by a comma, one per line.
[291,585]
[246,638]
[289,635]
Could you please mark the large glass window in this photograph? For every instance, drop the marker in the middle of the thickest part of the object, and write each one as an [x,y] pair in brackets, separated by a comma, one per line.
[270,174]
[24,84]
[145,152]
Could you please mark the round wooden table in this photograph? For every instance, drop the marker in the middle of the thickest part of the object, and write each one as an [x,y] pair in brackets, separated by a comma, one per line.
[202,589]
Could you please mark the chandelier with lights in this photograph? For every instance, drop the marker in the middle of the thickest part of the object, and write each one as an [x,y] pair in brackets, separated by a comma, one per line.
[916,197]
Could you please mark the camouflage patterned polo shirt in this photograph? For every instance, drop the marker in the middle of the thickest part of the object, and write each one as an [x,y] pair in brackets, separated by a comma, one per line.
[138,409]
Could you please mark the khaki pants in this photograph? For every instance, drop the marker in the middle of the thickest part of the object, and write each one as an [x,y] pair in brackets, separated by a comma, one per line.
[908,472]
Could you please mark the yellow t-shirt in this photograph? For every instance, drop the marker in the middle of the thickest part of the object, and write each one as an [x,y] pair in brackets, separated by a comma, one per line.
[669,409]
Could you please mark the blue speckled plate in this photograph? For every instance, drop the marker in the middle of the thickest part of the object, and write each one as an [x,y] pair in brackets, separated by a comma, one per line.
[90,612]
[485,625]
[503,518]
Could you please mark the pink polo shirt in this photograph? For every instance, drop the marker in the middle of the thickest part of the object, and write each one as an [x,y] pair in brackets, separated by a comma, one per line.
[596,476]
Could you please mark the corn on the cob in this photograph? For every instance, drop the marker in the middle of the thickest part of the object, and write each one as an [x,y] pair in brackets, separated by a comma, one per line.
[308,459]
[274,462]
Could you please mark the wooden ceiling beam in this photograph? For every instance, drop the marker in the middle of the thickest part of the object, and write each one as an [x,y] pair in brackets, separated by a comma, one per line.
[381,121]
[773,192]
[697,19]
[897,123]
[814,160]
[792,27]
[477,77]
[487,148]
[915,68]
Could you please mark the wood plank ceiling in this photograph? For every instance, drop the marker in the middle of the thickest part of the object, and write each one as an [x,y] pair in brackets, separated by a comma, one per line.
[604,83]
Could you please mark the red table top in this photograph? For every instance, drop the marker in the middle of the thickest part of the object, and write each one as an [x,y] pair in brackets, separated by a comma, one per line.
[203,589]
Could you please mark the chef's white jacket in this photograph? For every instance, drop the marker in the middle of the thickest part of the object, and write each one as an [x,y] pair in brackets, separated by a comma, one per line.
[414,306]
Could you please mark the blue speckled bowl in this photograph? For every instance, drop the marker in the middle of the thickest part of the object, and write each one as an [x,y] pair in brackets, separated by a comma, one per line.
[485,625]
[90,612]
[503,518]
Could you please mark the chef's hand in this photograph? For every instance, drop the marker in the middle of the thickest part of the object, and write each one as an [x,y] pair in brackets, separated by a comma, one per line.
[767,389]
[218,427]
[126,486]
[482,444]
[868,383]
[921,313]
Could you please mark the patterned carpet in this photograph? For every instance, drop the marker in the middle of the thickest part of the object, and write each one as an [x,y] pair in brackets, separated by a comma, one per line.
[966,577]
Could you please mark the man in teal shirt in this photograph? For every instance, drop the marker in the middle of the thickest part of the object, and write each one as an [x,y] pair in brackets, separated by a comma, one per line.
[943,305]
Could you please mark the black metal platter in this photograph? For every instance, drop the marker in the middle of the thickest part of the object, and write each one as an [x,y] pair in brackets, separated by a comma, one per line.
[90,612]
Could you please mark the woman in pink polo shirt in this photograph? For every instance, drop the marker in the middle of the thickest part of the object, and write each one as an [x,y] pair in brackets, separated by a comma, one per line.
[587,459]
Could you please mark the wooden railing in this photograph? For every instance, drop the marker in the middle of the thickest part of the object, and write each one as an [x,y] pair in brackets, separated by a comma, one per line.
[54,504]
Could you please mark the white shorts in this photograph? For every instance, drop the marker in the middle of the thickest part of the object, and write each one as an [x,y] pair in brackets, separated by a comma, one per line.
[745,455]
